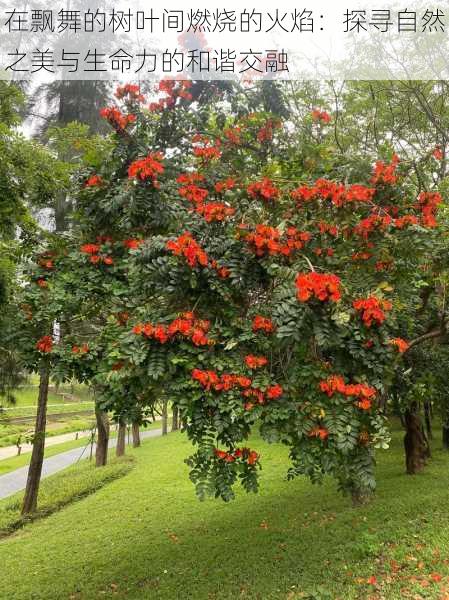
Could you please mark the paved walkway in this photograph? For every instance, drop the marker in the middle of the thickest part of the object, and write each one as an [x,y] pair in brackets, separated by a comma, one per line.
[10,451]
[15,481]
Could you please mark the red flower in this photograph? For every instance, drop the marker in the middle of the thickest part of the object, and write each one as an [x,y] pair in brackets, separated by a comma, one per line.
[335,384]
[147,168]
[372,310]
[438,153]
[263,190]
[223,186]
[90,248]
[215,211]
[263,324]
[186,246]
[132,244]
[207,379]
[319,432]
[108,260]
[321,286]
[400,344]
[94,181]
[45,344]
[42,283]
[116,118]
[95,259]
[274,392]
[132,92]
[320,115]
[428,203]
[269,240]
[385,173]
[255,362]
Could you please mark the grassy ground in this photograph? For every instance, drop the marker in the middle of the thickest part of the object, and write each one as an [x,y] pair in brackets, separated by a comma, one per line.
[146,536]
[72,484]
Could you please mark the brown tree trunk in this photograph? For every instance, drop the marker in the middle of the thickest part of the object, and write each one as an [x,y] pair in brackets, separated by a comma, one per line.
[121,439]
[416,448]
[446,436]
[175,419]
[101,452]
[136,435]
[37,456]
[164,417]
[428,419]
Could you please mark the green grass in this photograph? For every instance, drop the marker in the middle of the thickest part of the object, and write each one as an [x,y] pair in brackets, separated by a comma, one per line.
[59,490]
[146,536]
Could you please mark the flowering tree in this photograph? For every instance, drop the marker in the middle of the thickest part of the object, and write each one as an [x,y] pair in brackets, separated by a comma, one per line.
[253,277]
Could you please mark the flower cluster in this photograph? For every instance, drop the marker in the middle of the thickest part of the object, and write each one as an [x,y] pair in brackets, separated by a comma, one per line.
[320,116]
[205,148]
[329,228]
[210,380]
[266,132]
[215,211]
[131,92]
[186,246]
[233,135]
[269,240]
[225,185]
[173,89]
[255,362]
[339,194]
[263,324]
[428,204]
[372,310]
[94,181]
[385,173]
[84,349]
[438,153]
[401,344]
[263,190]
[322,286]
[189,188]
[147,168]
[116,118]
[132,243]
[45,344]
[187,326]
[319,432]
[95,258]
[371,223]
[244,454]
[335,384]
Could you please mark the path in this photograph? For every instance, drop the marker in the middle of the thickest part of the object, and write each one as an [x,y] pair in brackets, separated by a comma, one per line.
[10,451]
[15,481]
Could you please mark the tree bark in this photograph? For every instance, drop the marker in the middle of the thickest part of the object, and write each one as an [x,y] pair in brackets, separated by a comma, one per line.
[446,436]
[101,452]
[428,419]
[416,448]
[175,419]
[121,439]
[136,435]
[164,417]
[37,456]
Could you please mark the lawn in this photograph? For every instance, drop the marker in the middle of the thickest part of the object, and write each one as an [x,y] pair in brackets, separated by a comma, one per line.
[146,536]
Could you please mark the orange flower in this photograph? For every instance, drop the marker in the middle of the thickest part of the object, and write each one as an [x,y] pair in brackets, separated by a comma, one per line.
[45,344]
[400,344]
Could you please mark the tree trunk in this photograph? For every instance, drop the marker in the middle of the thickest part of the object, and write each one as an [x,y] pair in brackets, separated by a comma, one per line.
[121,439]
[164,417]
[101,452]
[175,419]
[361,497]
[446,436]
[37,456]
[416,449]
[428,419]
[136,435]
